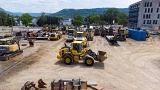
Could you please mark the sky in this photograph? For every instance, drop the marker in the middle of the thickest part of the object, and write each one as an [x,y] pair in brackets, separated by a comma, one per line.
[52,6]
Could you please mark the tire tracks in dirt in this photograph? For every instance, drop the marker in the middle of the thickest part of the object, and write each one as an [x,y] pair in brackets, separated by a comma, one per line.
[29,60]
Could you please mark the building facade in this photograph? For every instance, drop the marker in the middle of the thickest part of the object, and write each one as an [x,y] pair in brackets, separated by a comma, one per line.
[66,22]
[145,14]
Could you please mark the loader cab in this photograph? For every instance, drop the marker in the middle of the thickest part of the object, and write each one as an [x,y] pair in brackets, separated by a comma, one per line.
[79,34]
[8,45]
[77,47]
[7,42]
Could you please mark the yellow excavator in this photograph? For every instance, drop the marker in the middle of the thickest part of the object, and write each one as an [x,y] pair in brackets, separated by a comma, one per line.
[9,48]
[76,52]
[89,34]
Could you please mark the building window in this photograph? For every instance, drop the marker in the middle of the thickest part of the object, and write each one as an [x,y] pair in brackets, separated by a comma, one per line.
[148,10]
[145,10]
[147,21]
[156,21]
[143,16]
[151,10]
[145,4]
[146,16]
[150,4]
[150,22]
[157,10]
[144,21]
[149,16]
[159,4]
[158,16]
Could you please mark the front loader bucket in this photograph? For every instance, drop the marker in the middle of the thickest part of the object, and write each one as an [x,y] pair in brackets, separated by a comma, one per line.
[101,56]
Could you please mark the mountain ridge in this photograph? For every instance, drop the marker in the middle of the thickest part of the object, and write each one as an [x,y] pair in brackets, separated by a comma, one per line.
[69,13]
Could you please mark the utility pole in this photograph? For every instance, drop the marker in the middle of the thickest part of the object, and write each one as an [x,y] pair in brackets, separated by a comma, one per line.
[11,25]
[50,21]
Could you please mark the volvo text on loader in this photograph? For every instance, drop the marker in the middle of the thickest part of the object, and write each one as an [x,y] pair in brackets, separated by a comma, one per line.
[76,52]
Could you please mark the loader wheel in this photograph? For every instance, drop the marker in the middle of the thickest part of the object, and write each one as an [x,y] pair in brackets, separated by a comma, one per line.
[89,61]
[68,59]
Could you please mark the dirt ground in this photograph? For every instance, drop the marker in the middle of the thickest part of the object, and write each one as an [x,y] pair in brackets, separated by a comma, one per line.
[131,65]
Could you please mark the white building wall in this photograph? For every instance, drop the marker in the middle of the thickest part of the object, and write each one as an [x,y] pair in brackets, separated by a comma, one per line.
[152,16]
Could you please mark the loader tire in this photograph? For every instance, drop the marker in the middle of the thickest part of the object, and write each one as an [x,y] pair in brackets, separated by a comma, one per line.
[89,61]
[68,60]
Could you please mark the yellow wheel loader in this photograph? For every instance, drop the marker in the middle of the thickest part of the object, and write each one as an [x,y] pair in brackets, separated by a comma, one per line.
[55,35]
[76,52]
[80,36]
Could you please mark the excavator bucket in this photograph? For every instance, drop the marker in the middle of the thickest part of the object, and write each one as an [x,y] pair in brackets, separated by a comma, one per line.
[101,56]
[41,84]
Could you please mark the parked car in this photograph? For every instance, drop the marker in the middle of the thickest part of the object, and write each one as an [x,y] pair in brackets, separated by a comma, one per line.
[154,32]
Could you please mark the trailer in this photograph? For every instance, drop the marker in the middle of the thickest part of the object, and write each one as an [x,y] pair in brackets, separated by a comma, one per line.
[38,38]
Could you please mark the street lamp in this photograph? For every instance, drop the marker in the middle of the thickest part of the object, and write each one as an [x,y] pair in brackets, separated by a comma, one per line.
[11,26]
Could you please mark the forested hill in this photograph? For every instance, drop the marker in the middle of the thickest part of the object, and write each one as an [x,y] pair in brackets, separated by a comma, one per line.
[69,13]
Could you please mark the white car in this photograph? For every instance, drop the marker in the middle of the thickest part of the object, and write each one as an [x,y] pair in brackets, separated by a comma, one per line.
[70,37]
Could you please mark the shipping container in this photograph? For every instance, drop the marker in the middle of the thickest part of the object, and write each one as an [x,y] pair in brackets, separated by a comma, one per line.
[139,35]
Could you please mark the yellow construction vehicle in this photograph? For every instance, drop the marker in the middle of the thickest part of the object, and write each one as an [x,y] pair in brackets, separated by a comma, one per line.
[9,48]
[77,52]
[89,33]
[54,34]
[80,36]
[45,28]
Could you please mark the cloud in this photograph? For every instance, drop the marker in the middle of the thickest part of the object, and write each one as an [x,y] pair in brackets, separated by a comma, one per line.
[56,5]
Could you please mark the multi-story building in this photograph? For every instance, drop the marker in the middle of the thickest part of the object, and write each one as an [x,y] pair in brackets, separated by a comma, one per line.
[145,14]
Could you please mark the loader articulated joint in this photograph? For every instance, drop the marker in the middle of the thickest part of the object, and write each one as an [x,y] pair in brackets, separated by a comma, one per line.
[91,53]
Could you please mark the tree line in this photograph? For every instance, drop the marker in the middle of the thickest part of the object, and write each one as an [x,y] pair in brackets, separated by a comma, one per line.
[10,20]
[111,16]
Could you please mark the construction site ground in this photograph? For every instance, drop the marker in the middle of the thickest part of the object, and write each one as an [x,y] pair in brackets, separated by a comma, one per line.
[131,65]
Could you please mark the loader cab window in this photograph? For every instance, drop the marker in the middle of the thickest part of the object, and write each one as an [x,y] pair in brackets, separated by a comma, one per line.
[2,43]
[78,47]
[8,42]
[79,35]
[70,35]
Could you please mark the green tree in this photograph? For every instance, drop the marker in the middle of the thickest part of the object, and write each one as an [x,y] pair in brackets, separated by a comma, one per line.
[77,21]
[102,22]
[26,19]
[123,19]
[3,17]
[42,20]
[110,15]
[94,19]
